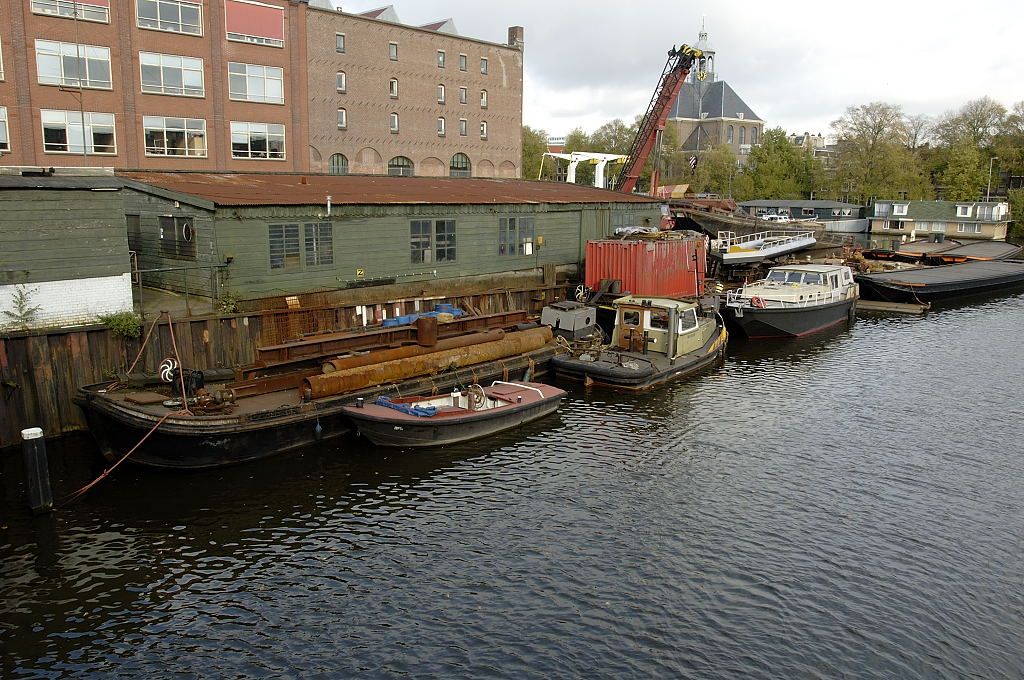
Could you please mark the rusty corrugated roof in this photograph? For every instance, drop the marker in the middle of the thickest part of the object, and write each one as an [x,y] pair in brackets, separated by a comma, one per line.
[310,189]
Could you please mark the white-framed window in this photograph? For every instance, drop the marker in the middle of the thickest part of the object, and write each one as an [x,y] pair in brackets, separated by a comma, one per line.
[339,43]
[483,65]
[393,123]
[882,209]
[261,141]
[86,11]
[255,83]
[393,51]
[963,210]
[171,74]
[463,127]
[460,166]
[463,95]
[968,228]
[175,16]
[253,22]
[483,99]
[319,243]
[440,126]
[463,62]
[440,94]
[400,166]
[899,208]
[342,119]
[922,226]
[63,132]
[341,82]
[515,236]
[807,212]
[166,136]
[483,129]
[393,88]
[1,60]
[73,65]
[440,58]
[5,135]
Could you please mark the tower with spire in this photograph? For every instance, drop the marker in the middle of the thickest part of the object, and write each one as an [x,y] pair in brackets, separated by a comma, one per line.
[709,113]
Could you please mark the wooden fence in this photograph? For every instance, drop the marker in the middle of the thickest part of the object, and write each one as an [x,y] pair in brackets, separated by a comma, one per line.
[40,371]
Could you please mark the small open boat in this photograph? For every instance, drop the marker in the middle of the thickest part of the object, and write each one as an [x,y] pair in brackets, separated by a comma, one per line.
[449,418]
[655,339]
[792,301]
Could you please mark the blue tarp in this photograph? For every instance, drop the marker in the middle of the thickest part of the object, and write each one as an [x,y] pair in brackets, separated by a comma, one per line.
[421,411]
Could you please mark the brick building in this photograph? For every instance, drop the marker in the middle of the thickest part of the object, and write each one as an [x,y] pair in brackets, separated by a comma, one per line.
[253,86]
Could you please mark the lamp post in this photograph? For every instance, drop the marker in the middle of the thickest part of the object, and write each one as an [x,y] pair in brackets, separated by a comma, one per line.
[988,190]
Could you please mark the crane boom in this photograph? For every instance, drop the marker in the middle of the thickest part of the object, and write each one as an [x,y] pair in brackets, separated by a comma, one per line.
[676,69]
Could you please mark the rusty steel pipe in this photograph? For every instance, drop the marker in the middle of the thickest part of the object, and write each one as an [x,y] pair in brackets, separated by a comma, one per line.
[350,379]
[381,355]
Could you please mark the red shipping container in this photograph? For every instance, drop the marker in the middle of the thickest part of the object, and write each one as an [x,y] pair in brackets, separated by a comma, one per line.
[667,267]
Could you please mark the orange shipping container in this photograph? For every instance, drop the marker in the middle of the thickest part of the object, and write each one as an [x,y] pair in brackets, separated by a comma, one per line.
[663,267]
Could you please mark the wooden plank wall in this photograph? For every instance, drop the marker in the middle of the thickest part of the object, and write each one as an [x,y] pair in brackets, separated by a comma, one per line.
[39,372]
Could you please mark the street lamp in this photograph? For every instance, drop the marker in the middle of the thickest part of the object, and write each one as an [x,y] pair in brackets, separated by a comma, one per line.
[988,191]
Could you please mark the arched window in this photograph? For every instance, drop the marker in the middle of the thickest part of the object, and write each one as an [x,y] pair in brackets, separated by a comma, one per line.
[342,119]
[337,164]
[341,82]
[753,135]
[483,99]
[728,135]
[460,166]
[400,166]
[393,88]
[394,123]
[743,135]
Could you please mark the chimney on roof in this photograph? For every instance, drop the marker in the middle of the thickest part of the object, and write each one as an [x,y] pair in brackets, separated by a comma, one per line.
[515,37]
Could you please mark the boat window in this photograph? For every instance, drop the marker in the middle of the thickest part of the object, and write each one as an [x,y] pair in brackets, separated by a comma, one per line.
[776,275]
[659,319]
[687,320]
[835,280]
[630,317]
[813,277]
[793,277]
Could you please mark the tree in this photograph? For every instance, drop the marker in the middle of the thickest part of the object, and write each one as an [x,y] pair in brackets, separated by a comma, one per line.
[716,169]
[774,166]
[535,143]
[918,129]
[1008,143]
[963,174]
[977,122]
[1016,197]
[871,137]
[613,137]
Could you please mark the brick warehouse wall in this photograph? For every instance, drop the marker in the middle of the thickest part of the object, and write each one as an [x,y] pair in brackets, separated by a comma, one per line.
[69,303]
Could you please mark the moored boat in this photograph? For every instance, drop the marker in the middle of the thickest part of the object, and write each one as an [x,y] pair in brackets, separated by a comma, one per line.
[733,249]
[930,284]
[436,420]
[792,301]
[655,339]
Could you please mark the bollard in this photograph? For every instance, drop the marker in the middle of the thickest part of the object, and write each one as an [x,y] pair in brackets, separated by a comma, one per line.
[33,449]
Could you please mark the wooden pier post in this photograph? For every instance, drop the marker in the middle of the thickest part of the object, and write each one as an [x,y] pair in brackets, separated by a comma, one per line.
[37,470]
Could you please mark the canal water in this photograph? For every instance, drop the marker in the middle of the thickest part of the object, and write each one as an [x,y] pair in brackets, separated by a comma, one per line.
[848,505]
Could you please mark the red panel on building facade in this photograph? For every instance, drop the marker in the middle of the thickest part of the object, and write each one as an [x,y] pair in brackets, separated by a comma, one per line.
[246,18]
[657,267]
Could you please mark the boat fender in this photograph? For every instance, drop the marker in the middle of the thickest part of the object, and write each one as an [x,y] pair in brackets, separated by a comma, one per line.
[758,301]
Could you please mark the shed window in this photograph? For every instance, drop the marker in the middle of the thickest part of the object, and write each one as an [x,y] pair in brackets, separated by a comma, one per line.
[177,238]
[319,244]
[419,241]
[432,241]
[254,22]
[515,236]
[444,240]
[807,211]
[284,246]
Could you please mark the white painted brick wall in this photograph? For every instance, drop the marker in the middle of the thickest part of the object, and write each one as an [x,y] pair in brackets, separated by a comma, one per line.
[70,303]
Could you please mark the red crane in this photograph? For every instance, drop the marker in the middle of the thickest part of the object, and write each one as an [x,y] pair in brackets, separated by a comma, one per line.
[653,124]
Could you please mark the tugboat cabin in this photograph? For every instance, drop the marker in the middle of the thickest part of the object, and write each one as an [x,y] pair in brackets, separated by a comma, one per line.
[665,326]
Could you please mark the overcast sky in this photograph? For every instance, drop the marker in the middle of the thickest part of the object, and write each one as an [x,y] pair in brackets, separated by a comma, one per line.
[798,64]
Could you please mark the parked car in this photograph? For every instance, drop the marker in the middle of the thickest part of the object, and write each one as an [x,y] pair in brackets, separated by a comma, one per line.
[779,219]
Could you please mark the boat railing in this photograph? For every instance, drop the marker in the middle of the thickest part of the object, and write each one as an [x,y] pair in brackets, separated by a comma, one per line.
[783,299]
[762,239]
[520,385]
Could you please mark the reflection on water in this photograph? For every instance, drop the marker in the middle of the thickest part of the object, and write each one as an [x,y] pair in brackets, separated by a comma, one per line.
[843,504]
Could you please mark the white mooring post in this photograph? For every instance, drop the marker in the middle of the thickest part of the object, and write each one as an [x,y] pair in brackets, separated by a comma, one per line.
[37,471]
